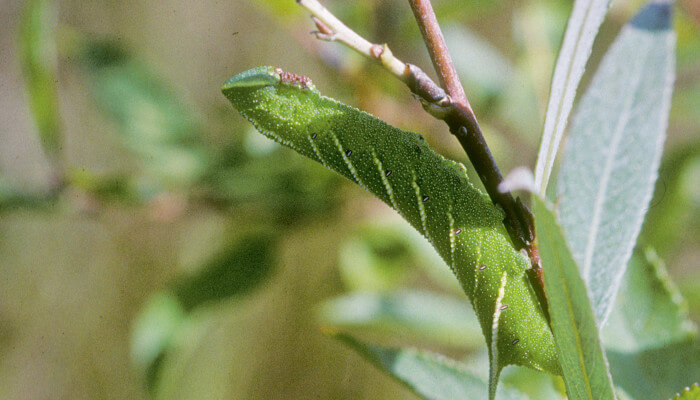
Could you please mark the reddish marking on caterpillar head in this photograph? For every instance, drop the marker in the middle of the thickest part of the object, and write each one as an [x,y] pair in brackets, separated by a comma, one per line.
[294,79]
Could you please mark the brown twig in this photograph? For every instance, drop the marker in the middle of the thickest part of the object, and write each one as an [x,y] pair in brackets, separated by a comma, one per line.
[442,61]
[463,124]
[451,106]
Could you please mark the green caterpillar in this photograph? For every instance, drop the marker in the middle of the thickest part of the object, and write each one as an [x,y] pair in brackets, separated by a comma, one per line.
[432,193]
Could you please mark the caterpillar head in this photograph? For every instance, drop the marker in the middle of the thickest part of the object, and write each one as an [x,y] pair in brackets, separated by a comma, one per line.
[260,77]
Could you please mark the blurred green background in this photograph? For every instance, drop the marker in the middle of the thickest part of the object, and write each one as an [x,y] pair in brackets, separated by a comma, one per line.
[152,244]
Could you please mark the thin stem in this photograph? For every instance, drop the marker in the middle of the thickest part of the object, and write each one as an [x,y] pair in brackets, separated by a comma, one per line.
[442,61]
[332,29]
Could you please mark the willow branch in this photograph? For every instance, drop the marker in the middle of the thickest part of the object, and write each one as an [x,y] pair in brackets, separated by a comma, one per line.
[451,106]
[332,29]
[442,61]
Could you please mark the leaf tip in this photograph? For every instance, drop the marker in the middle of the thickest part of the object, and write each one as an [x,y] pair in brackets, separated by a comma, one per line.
[656,16]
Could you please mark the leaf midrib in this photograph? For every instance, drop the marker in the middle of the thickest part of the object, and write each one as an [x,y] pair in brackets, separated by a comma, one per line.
[569,305]
[608,168]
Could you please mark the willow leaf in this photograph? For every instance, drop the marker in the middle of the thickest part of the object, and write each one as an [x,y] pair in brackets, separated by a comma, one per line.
[614,149]
[38,57]
[575,333]
[581,30]
[651,343]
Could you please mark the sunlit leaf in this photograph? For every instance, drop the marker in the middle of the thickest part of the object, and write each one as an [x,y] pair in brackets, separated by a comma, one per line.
[581,30]
[103,187]
[152,332]
[613,152]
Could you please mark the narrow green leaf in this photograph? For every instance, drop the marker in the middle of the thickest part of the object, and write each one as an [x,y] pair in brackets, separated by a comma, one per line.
[581,30]
[652,346]
[649,311]
[152,333]
[432,193]
[431,376]
[103,187]
[150,118]
[614,149]
[13,198]
[37,51]
[234,271]
[408,314]
[575,332]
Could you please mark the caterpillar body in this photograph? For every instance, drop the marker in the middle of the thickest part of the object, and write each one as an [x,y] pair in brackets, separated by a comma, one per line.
[432,193]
